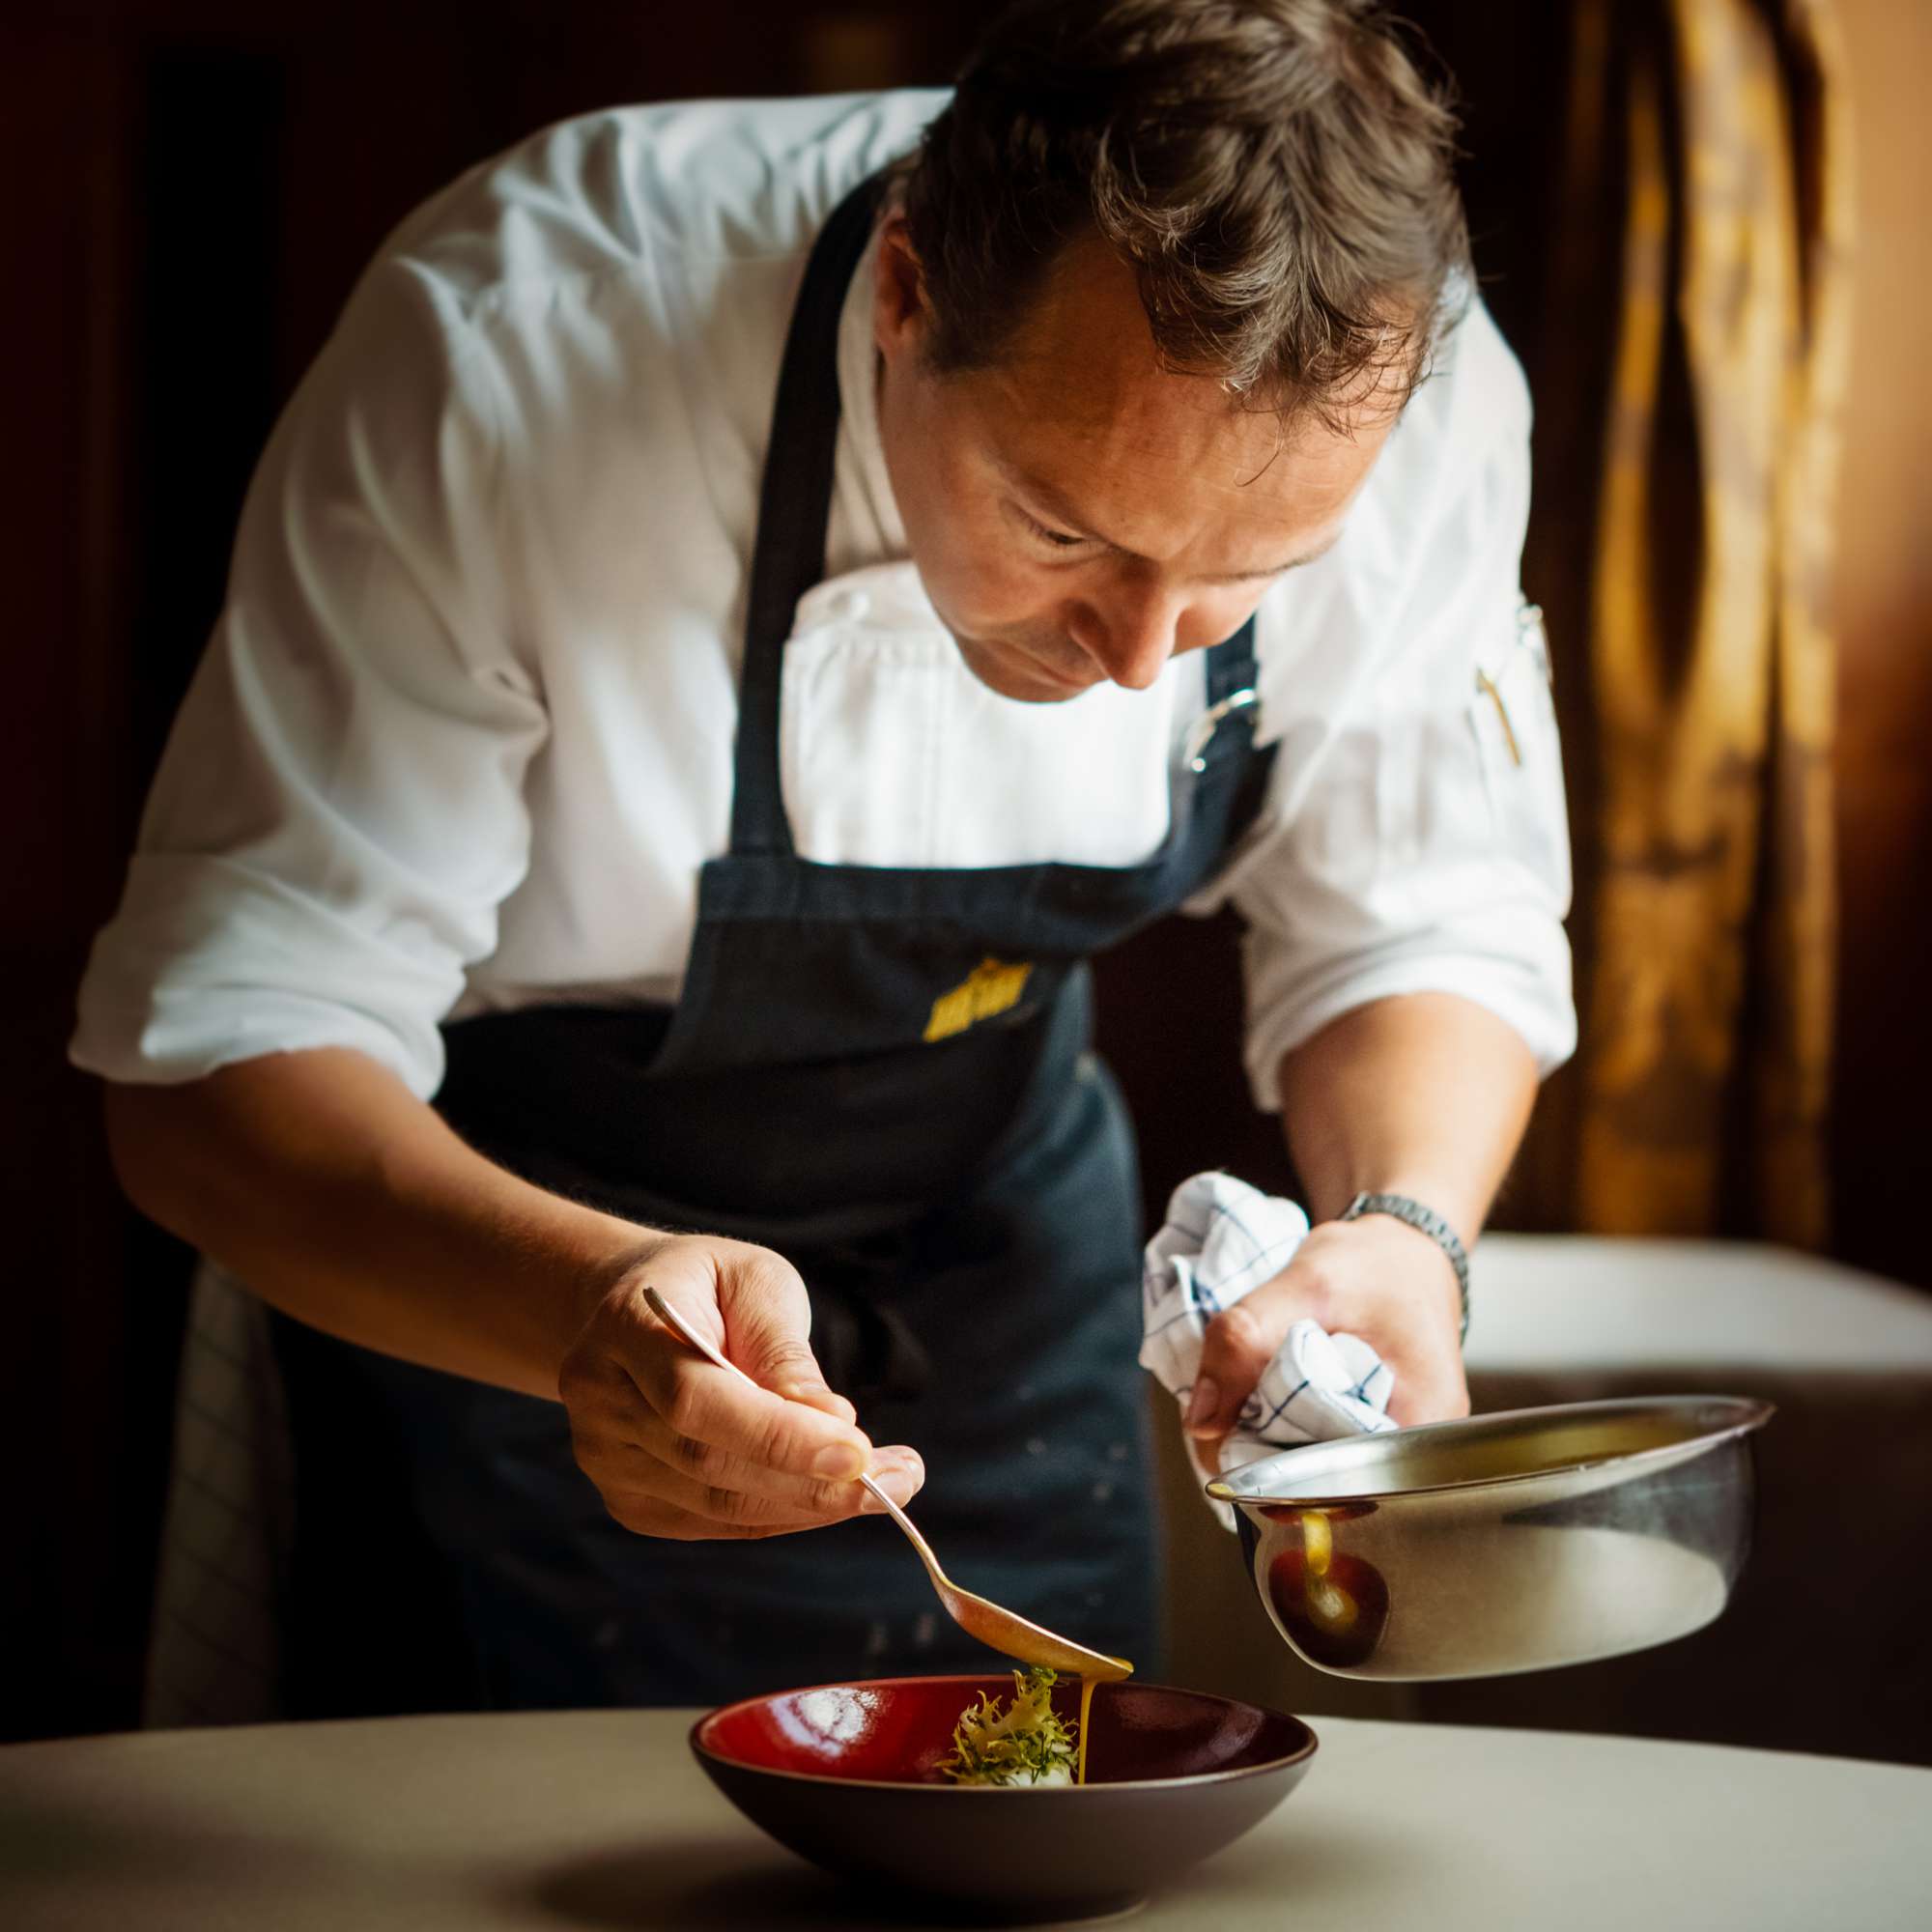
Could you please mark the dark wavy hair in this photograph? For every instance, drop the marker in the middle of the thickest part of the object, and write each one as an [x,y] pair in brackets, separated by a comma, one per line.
[1279,174]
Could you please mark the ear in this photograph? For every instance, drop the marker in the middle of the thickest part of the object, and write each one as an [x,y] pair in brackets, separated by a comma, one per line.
[902,314]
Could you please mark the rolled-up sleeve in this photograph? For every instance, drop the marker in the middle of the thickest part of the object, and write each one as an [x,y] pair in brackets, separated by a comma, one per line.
[1416,839]
[339,813]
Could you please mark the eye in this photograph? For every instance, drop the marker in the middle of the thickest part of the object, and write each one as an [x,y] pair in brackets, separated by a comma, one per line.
[1059,539]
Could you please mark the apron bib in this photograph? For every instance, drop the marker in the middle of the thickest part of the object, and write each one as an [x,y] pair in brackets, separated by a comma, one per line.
[885,1075]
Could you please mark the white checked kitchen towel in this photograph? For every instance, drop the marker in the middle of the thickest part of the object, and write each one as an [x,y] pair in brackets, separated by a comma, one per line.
[215,1651]
[1223,1239]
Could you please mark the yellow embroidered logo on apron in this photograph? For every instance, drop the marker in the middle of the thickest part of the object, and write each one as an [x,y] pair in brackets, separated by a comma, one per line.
[991,987]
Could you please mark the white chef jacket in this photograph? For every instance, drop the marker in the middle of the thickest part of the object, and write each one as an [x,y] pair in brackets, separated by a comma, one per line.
[462,736]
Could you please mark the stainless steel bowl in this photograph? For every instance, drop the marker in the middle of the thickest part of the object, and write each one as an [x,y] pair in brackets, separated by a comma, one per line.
[1502,1543]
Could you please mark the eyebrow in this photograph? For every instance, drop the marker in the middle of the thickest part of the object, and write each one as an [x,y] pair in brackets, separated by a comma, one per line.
[1050,500]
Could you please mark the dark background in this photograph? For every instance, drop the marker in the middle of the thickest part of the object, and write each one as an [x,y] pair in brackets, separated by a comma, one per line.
[192,189]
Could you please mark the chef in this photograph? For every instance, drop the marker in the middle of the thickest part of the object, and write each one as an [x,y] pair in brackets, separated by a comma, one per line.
[750,600]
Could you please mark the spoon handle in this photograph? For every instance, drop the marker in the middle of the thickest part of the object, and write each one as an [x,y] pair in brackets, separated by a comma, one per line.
[708,1349]
[987,1621]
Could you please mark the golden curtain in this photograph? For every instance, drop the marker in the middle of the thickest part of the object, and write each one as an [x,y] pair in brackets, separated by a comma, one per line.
[1707,209]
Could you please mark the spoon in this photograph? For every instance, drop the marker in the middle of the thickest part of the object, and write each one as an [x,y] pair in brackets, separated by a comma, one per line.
[999,1629]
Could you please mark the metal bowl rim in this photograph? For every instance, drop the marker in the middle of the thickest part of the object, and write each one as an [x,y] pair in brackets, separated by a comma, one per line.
[1753,1414]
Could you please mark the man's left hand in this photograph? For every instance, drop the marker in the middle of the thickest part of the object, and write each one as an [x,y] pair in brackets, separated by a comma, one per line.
[1377,1278]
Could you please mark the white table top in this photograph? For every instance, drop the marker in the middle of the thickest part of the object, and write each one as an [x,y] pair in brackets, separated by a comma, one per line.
[602,1820]
[1578,1302]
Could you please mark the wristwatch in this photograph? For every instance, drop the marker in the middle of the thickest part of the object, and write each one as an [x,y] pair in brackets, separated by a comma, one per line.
[1425,1221]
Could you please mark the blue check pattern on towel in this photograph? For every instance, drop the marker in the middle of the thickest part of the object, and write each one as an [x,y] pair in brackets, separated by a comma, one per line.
[1222,1239]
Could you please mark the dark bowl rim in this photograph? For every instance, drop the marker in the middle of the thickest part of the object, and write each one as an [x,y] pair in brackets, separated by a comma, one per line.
[1753,1412]
[1192,1781]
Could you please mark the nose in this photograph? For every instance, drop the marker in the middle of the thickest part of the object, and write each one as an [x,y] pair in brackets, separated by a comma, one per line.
[1131,634]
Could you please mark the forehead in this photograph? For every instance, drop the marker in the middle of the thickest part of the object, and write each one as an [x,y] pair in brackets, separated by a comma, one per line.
[1080,399]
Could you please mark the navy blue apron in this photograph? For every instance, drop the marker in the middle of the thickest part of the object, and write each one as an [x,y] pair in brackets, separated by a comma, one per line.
[885,1075]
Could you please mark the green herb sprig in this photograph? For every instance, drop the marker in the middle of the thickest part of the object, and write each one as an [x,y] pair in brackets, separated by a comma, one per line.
[1025,1742]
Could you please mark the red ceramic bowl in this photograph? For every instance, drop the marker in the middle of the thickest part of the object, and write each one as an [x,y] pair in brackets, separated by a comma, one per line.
[846,1775]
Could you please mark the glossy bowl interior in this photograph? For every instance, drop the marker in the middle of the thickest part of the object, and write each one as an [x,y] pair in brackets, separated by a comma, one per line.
[1502,1543]
[846,1775]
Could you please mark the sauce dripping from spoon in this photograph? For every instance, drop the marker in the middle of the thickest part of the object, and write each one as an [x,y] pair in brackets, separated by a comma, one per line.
[1088,1681]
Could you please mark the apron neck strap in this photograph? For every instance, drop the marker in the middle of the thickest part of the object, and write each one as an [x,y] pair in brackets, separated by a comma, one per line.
[794,505]
[1231,664]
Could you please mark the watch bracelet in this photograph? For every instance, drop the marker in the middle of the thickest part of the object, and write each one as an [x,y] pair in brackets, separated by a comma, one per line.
[1424,1220]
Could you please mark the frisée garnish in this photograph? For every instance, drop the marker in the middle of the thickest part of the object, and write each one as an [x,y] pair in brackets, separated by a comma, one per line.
[1021,1742]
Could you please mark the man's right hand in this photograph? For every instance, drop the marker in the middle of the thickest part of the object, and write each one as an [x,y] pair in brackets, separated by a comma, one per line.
[345,1201]
[677,1447]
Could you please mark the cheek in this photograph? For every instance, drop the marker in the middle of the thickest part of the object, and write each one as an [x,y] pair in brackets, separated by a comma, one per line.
[964,547]
[985,591]
[966,554]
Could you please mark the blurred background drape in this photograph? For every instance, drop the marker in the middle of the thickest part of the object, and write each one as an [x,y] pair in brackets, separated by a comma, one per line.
[1694,342]
[1659,194]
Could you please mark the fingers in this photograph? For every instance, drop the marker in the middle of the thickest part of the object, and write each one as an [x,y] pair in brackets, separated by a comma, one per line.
[702,1455]
[694,1401]
[755,1307]
[681,1447]
[656,1499]
[1239,1344]
[1376,1278]
[693,1453]
[638,1394]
